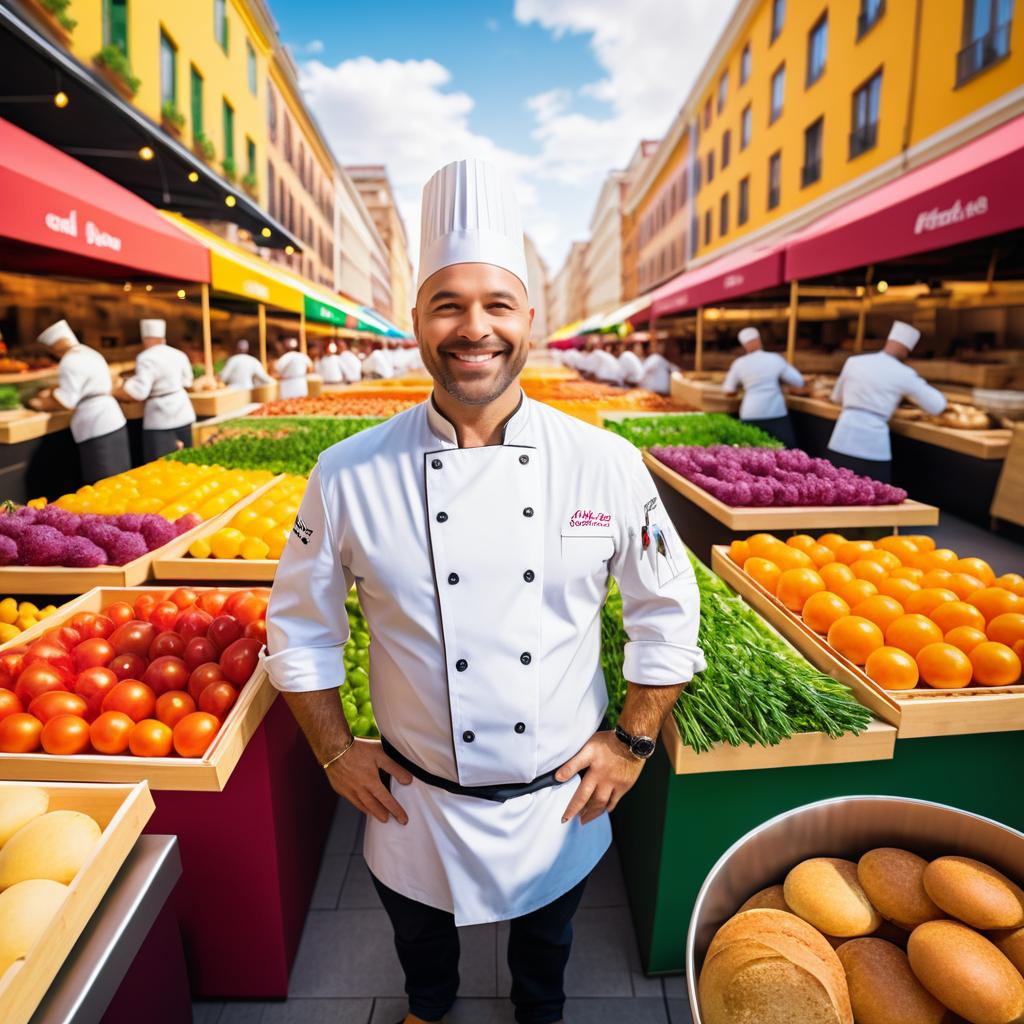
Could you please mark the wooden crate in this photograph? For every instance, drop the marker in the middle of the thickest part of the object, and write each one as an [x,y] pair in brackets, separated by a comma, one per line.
[33,425]
[263,393]
[219,402]
[122,812]
[802,517]
[977,375]
[702,394]
[209,773]
[1008,502]
[916,713]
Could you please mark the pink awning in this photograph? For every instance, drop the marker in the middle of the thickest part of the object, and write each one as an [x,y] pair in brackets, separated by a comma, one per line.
[970,193]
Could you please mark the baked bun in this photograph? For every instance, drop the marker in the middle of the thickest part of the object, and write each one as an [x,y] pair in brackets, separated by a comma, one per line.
[975,893]
[824,891]
[767,899]
[1010,943]
[894,883]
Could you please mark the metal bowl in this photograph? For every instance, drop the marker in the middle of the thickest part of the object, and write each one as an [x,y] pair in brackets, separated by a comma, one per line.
[842,827]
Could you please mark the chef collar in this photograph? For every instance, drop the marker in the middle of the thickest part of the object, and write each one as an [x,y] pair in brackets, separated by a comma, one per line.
[514,426]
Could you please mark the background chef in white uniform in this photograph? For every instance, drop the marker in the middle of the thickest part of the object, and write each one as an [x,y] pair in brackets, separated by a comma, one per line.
[329,365]
[480,528]
[378,365]
[351,367]
[98,425]
[657,376]
[291,368]
[761,375]
[162,378]
[243,370]
[870,389]
[631,366]
[604,367]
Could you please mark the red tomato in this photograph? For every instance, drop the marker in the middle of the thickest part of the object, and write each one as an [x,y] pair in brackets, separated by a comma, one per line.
[81,620]
[198,651]
[65,734]
[240,597]
[133,638]
[202,677]
[218,699]
[38,678]
[248,608]
[57,702]
[194,734]
[128,666]
[224,631]
[92,653]
[173,706]
[164,614]
[19,733]
[166,673]
[193,622]
[257,630]
[132,698]
[50,654]
[12,661]
[239,661]
[119,613]
[167,643]
[212,601]
[144,605]
[150,738]
[93,685]
[63,636]
[10,703]
[109,733]
[183,597]
[100,626]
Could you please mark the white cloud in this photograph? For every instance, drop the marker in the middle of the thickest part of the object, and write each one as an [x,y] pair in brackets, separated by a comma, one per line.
[311,49]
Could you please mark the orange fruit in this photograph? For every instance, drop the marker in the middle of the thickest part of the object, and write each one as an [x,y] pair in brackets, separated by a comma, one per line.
[832,540]
[995,664]
[795,586]
[965,637]
[898,588]
[951,614]
[944,666]
[912,632]
[892,669]
[855,638]
[993,601]
[821,555]
[1007,628]
[901,547]
[940,558]
[978,568]
[908,572]
[762,571]
[886,559]
[927,599]
[853,551]
[761,544]
[936,578]
[865,569]
[856,591]
[835,573]
[786,557]
[1012,581]
[880,610]
[739,552]
[921,540]
[801,541]
[1018,649]
[822,609]
[963,585]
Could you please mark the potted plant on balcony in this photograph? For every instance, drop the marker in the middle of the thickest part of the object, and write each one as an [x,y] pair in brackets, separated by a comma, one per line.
[53,16]
[113,65]
[172,120]
[203,147]
[250,184]
[227,165]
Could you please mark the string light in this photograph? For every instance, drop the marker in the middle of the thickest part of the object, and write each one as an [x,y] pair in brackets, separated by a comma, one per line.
[883,286]
[127,286]
[193,176]
[181,293]
[229,200]
[289,249]
[265,232]
[149,287]
[146,153]
[60,100]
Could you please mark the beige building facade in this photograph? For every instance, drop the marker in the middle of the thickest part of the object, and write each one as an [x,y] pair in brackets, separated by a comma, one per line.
[538,286]
[603,264]
[362,269]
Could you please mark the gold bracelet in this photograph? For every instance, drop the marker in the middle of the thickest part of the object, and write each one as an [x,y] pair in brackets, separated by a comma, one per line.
[327,764]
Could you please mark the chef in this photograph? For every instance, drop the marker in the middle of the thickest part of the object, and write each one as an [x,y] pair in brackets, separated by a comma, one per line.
[870,389]
[162,378]
[657,375]
[504,519]
[243,370]
[761,375]
[329,365]
[351,367]
[291,369]
[604,367]
[630,365]
[378,365]
[98,425]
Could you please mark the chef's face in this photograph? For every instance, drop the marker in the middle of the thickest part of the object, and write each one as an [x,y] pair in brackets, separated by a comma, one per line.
[473,321]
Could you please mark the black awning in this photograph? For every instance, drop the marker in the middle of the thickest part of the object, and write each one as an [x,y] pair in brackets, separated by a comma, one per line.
[106,132]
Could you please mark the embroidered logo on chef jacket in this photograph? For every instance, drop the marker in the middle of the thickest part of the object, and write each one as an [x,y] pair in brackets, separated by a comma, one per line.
[302,531]
[661,547]
[583,518]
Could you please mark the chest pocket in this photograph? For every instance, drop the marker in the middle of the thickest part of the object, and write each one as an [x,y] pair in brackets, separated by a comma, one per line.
[586,553]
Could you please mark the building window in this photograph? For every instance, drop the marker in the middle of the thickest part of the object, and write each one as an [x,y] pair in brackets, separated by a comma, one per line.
[168,71]
[723,215]
[711,166]
[196,97]
[870,12]
[694,235]
[743,206]
[986,36]
[864,133]
[250,158]
[817,48]
[723,90]
[707,227]
[774,180]
[778,93]
[696,177]
[726,148]
[220,23]
[250,65]
[229,132]
[271,113]
[778,18]
[115,24]
[707,113]
[287,138]
[271,189]
[745,65]
[746,124]
[811,171]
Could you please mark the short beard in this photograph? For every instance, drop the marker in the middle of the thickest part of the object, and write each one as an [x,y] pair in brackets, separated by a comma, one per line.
[512,370]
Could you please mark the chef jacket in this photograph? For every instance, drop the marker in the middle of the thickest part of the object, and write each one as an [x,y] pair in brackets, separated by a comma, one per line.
[83,384]
[631,367]
[760,374]
[244,371]
[161,376]
[657,374]
[351,368]
[870,389]
[482,573]
[605,367]
[329,368]
[379,364]
[292,368]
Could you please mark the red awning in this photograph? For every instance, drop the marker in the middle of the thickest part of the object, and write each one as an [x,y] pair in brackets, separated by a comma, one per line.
[729,277]
[967,194]
[58,216]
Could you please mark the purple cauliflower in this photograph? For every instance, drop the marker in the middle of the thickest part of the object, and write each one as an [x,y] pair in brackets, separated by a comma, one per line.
[130,521]
[41,545]
[81,553]
[12,525]
[119,545]
[8,551]
[157,531]
[60,519]
[187,522]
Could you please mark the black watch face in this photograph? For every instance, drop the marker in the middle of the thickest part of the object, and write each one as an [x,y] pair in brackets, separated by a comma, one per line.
[642,746]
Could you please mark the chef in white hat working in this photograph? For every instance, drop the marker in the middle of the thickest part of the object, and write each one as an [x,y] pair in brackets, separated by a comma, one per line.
[291,369]
[351,367]
[329,365]
[243,370]
[761,375]
[504,519]
[657,375]
[870,389]
[162,379]
[379,364]
[603,366]
[630,365]
[98,425]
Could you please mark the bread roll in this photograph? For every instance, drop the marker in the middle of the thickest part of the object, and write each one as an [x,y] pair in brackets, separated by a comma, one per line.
[825,892]
[894,882]
[965,972]
[883,988]
[767,899]
[1011,944]
[975,893]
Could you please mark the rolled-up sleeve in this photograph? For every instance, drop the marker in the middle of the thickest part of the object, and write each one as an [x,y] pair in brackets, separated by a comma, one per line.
[930,399]
[660,599]
[307,626]
[140,384]
[69,385]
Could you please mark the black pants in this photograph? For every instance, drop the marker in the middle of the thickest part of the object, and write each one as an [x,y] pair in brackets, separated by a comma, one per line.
[157,443]
[876,469]
[105,456]
[538,950]
[780,427]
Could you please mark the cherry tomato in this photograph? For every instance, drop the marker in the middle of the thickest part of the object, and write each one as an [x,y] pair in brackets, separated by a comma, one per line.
[93,685]
[92,653]
[100,626]
[167,643]
[247,608]
[133,638]
[132,698]
[239,661]
[193,622]
[240,597]
[212,601]
[150,738]
[128,666]
[144,605]
[173,706]
[38,678]
[109,733]
[10,703]
[202,677]
[81,620]
[166,673]
[12,661]
[194,733]
[63,636]
[218,699]
[57,702]
[65,734]
[19,733]
[51,654]
[224,631]
[198,651]
[183,597]
[119,613]
[164,615]
[257,630]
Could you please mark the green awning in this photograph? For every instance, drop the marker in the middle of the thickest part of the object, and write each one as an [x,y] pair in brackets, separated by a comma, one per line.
[323,312]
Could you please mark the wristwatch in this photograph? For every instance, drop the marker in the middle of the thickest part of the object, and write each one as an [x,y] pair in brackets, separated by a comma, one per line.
[639,746]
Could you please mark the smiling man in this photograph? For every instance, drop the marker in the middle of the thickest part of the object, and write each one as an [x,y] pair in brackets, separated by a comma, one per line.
[480,530]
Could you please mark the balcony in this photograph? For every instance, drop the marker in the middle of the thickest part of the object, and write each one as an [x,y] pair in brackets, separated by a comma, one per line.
[863,138]
[868,18]
[982,53]
[810,173]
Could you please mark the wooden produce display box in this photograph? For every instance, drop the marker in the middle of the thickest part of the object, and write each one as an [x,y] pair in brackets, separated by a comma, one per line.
[209,773]
[121,812]
[916,713]
[705,395]
[31,425]
[953,371]
[219,402]
[1008,502]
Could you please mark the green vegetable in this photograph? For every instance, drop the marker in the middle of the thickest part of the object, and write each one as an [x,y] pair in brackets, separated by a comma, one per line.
[703,429]
[10,397]
[355,691]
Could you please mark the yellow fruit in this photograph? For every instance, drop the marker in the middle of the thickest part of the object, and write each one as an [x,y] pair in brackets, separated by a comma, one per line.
[739,552]
[26,911]
[18,806]
[259,526]
[23,622]
[276,540]
[243,517]
[8,610]
[27,608]
[254,547]
[200,548]
[54,845]
[45,613]
[795,586]
[226,543]
[832,540]
[8,631]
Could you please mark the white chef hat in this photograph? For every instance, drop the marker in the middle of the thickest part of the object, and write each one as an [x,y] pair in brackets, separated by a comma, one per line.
[470,214]
[906,335]
[153,328]
[59,331]
[291,344]
[749,334]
